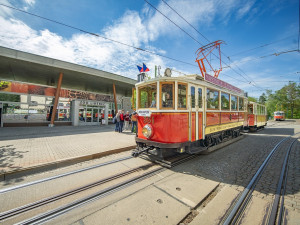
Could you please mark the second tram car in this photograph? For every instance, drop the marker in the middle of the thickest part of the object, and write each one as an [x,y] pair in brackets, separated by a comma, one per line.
[279,115]
[256,116]
[187,114]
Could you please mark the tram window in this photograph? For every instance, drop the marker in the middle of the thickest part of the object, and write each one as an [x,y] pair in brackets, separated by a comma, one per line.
[147,96]
[233,102]
[224,101]
[182,96]
[167,96]
[250,109]
[193,97]
[200,97]
[241,104]
[212,99]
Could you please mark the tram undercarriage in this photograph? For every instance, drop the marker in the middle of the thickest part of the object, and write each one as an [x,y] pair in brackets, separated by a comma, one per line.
[161,151]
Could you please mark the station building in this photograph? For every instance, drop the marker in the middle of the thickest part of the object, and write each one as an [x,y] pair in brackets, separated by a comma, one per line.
[41,91]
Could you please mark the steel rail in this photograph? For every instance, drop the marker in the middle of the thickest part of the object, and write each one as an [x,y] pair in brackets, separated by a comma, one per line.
[44,217]
[25,208]
[251,185]
[281,185]
[61,175]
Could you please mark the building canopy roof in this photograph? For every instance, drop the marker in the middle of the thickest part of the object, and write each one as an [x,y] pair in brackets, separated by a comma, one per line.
[30,68]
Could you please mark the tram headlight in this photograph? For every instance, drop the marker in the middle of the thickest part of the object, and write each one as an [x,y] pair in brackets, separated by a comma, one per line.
[147,131]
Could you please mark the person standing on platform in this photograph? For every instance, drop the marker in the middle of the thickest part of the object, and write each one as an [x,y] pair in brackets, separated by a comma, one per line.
[134,122]
[126,121]
[117,129]
[121,121]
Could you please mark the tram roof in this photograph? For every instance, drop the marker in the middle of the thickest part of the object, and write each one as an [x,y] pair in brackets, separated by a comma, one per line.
[192,78]
[30,68]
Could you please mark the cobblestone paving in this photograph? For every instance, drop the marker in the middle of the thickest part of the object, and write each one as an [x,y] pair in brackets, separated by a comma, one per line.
[237,163]
[292,195]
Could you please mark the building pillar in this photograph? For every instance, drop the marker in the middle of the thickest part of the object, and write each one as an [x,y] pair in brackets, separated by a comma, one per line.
[106,114]
[56,99]
[75,112]
[115,98]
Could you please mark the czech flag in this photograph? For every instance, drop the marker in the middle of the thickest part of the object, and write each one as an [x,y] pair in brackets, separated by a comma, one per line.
[140,68]
[145,68]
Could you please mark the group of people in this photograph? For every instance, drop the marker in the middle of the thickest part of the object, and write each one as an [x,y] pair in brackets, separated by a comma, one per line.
[124,120]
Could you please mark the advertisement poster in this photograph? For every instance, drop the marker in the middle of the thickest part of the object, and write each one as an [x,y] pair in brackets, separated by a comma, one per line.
[16,87]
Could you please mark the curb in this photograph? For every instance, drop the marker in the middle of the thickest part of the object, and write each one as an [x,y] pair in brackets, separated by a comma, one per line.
[58,164]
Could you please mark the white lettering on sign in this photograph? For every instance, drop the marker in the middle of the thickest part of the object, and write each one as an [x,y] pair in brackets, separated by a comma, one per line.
[91,103]
[144,112]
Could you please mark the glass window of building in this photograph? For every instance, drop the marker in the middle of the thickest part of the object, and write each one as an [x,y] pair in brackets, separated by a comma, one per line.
[200,97]
[212,99]
[193,97]
[241,104]
[224,101]
[167,96]
[182,91]
[147,96]
[233,102]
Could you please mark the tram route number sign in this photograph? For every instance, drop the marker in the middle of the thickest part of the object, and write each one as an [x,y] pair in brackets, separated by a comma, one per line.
[144,113]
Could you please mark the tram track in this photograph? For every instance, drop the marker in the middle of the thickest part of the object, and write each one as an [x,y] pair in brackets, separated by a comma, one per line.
[237,211]
[150,168]
[4,190]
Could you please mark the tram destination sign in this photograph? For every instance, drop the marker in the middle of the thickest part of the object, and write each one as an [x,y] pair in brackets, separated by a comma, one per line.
[221,83]
[144,112]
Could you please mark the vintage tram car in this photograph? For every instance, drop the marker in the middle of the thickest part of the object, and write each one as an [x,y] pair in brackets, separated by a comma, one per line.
[279,115]
[187,114]
[256,116]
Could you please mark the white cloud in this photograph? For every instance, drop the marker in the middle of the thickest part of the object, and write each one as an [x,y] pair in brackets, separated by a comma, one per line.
[29,2]
[132,28]
[245,9]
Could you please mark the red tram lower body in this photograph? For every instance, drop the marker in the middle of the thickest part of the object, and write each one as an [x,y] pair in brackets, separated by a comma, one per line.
[178,132]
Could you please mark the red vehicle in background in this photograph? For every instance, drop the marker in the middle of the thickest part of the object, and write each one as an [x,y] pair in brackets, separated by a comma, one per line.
[279,115]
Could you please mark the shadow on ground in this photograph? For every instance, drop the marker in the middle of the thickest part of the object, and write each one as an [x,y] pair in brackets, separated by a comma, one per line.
[8,156]
[237,163]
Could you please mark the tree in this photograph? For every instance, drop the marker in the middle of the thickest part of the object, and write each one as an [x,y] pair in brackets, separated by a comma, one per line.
[286,99]
[252,99]
[262,99]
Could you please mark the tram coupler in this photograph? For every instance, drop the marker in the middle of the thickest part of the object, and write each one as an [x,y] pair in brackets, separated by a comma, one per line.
[138,151]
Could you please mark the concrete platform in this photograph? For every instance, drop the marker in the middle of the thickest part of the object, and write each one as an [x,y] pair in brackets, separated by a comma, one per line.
[31,149]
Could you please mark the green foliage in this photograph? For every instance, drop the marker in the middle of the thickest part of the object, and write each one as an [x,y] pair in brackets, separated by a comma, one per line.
[286,99]
[9,97]
[252,99]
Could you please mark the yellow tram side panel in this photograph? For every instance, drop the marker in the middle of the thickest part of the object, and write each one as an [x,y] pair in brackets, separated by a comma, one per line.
[217,128]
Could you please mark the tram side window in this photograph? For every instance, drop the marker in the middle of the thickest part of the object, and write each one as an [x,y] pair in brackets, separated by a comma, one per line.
[224,101]
[167,95]
[182,96]
[241,104]
[147,96]
[250,109]
[233,102]
[200,97]
[193,97]
[212,99]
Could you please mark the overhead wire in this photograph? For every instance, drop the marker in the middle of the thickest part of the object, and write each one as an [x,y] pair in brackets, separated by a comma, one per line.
[248,80]
[97,35]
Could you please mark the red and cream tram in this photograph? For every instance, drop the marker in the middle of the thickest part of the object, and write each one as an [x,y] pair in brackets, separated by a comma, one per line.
[187,114]
[279,115]
[257,116]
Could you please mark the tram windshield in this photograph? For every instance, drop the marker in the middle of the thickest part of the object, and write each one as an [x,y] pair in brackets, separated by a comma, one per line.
[278,113]
[147,96]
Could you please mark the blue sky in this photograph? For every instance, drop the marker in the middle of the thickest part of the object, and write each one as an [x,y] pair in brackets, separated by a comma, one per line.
[242,25]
